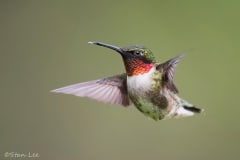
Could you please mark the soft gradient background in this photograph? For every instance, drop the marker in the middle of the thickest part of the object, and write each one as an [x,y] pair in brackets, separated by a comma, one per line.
[44,46]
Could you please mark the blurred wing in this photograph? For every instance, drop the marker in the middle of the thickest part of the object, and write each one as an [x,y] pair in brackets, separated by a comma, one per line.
[109,90]
[167,69]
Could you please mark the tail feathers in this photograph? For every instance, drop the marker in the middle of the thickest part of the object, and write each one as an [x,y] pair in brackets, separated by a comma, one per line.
[189,107]
[186,109]
[193,109]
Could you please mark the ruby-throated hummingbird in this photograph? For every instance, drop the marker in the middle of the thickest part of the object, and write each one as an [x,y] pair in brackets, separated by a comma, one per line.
[146,83]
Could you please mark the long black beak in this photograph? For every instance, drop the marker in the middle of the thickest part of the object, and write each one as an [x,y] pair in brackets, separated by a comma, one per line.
[118,49]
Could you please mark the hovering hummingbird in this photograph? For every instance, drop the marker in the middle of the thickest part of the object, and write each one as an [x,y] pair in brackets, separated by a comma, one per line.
[146,83]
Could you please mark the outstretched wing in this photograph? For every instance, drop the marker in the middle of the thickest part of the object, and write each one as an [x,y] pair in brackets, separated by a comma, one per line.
[167,69]
[109,90]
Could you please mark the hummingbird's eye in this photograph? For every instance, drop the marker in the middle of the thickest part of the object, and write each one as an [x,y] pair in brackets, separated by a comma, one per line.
[137,53]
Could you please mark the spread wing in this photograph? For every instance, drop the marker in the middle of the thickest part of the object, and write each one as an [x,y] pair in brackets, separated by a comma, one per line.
[109,90]
[167,69]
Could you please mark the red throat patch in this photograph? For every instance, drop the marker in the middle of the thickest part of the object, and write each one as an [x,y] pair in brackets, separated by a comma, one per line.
[136,66]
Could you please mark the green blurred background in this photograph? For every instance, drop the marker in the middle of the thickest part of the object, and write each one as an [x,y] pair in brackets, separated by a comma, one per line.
[44,46]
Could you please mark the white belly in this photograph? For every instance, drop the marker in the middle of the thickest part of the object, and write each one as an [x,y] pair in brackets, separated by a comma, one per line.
[141,82]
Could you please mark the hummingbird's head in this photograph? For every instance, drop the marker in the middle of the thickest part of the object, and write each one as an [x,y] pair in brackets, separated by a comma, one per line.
[137,59]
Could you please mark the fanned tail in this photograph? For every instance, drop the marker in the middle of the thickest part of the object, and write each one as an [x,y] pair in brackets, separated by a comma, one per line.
[190,107]
[187,109]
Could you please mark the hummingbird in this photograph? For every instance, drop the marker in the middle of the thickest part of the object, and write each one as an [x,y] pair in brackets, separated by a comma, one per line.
[146,83]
